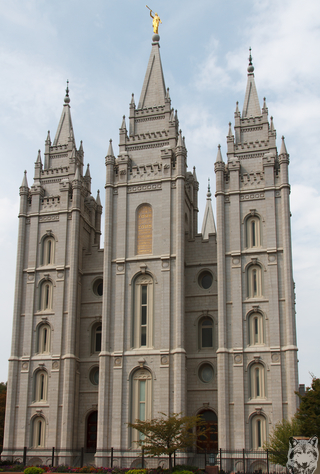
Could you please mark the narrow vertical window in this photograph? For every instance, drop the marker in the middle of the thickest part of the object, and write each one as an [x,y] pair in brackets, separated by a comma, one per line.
[257,381]
[96,333]
[258,432]
[43,344]
[41,386]
[256,329]
[48,251]
[253,232]
[141,389]
[206,333]
[46,296]
[143,311]
[38,434]
[254,279]
[144,308]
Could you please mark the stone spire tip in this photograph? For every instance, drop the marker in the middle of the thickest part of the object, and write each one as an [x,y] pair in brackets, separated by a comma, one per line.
[250,67]
[67,98]
[209,191]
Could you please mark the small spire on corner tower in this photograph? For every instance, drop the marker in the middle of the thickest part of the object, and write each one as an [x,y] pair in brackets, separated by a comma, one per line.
[87,175]
[48,140]
[110,149]
[38,157]
[132,103]
[271,124]
[250,67]
[123,125]
[283,149]
[67,98]
[98,200]
[230,131]
[180,139]
[219,156]
[24,183]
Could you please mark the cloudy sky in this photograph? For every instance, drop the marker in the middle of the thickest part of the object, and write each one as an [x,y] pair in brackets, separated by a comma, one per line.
[103,46]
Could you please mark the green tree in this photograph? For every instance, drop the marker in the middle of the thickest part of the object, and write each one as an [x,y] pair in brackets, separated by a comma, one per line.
[167,434]
[308,414]
[278,443]
[3,395]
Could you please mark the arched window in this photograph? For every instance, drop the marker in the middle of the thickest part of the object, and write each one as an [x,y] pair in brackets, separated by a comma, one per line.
[256,329]
[144,229]
[254,281]
[258,431]
[48,251]
[38,432]
[253,232]
[143,311]
[141,399]
[41,386]
[44,339]
[257,381]
[46,295]
[205,333]
[96,333]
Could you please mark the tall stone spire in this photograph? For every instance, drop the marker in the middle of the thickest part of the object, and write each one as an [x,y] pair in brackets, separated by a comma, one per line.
[65,128]
[153,90]
[251,106]
[208,225]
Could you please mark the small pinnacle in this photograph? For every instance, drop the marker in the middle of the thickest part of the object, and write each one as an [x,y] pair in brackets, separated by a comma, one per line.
[67,98]
[250,67]
[209,192]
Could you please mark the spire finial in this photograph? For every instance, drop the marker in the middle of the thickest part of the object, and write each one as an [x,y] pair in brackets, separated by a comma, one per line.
[67,98]
[250,67]
[209,192]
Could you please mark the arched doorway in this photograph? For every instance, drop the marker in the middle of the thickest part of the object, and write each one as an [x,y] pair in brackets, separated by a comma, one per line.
[92,431]
[209,442]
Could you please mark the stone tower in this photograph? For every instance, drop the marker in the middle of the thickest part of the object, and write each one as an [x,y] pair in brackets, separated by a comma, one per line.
[257,355]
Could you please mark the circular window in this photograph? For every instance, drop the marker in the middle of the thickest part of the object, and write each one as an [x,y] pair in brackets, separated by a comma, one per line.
[94,376]
[206,373]
[205,280]
[98,287]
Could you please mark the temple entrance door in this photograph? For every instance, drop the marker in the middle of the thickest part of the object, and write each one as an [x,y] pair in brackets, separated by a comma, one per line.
[92,431]
[210,441]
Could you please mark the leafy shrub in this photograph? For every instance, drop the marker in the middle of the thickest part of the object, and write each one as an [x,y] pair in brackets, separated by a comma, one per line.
[183,471]
[33,470]
[137,471]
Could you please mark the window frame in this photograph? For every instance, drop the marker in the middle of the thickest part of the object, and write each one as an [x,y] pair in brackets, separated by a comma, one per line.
[43,341]
[256,322]
[46,295]
[94,333]
[257,382]
[141,376]
[41,386]
[200,332]
[143,312]
[253,240]
[48,250]
[258,431]
[254,281]
[38,438]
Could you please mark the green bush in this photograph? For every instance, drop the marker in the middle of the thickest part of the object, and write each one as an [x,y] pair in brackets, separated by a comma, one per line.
[185,467]
[33,470]
[137,471]
[183,471]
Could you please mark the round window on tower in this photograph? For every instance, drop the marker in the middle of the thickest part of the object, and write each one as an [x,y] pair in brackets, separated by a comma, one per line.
[205,373]
[205,280]
[97,287]
[94,376]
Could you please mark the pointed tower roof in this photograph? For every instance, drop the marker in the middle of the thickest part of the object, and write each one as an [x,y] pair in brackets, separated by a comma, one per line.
[110,149]
[283,148]
[39,157]
[24,181]
[98,200]
[208,224]
[219,155]
[153,90]
[251,106]
[65,128]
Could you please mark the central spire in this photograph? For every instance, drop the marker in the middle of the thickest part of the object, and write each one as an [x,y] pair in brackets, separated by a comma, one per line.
[153,90]
[251,106]
[65,128]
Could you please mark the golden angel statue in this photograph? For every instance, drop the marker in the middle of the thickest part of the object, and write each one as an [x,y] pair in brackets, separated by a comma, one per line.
[155,22]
